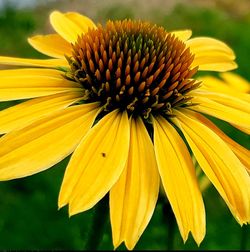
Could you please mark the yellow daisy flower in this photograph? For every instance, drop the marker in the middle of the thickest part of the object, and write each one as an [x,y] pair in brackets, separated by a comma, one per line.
[120,97]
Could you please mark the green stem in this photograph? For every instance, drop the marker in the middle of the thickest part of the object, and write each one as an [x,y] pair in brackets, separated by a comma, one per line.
[97,228]
[170,219]
[244,237]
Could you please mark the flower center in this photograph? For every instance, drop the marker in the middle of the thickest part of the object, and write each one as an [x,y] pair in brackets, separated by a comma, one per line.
[134,66]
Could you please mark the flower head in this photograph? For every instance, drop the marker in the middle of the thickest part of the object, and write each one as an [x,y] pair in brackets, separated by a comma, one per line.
[121,97]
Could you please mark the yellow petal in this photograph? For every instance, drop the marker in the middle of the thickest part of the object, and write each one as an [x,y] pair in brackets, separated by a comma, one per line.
[214,63]
[236,101]
[65,27]
[211,54]
[133,197]
[183,35]
[45,142]
[242,153]
[52,45]
[33,82]
[50,63]
[206,44]
[179,180]
[219,163]
[236,82]
[83,22]
[25,113]
[226,113]
[211,83]
[100,159]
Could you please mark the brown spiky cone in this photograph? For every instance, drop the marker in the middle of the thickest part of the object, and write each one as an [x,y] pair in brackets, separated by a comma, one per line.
[133,65]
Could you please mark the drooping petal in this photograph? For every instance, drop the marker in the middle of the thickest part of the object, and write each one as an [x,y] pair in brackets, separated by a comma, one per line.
[27,112]
[183,35]
[179,180]
[48,63]
[45,142]
[52,45]
[100,159]
[133,197]
[211,54]
[83,22]
[219,163]
[242,153]
[229,114]
[65,27]
[28,83]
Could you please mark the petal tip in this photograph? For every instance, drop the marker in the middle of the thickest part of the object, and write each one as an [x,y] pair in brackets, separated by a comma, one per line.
[130,245]
[232,66]
[199,238]
[61,204]
[54,14]
[116,244]
[72,211]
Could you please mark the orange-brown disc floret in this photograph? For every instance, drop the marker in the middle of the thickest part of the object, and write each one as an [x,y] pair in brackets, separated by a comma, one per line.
[133,65]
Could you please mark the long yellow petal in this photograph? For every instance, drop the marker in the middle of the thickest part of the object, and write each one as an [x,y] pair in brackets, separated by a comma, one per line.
[83,22]
[213,84]
[100,159]
[48,63]
[242,153]
[183,35]
[236,82]
[214,63]
[27,112]
[179,180]
[206,44]
[236,101]
[52,45]
[33,82]
[226,113]
[65,27]
[133,197]
[211,54]
[45,142]
[219,163]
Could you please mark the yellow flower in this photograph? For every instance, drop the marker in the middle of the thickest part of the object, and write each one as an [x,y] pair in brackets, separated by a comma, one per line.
[118,96]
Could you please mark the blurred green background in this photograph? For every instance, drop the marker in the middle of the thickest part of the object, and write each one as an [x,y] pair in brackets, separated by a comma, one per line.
[29,218]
